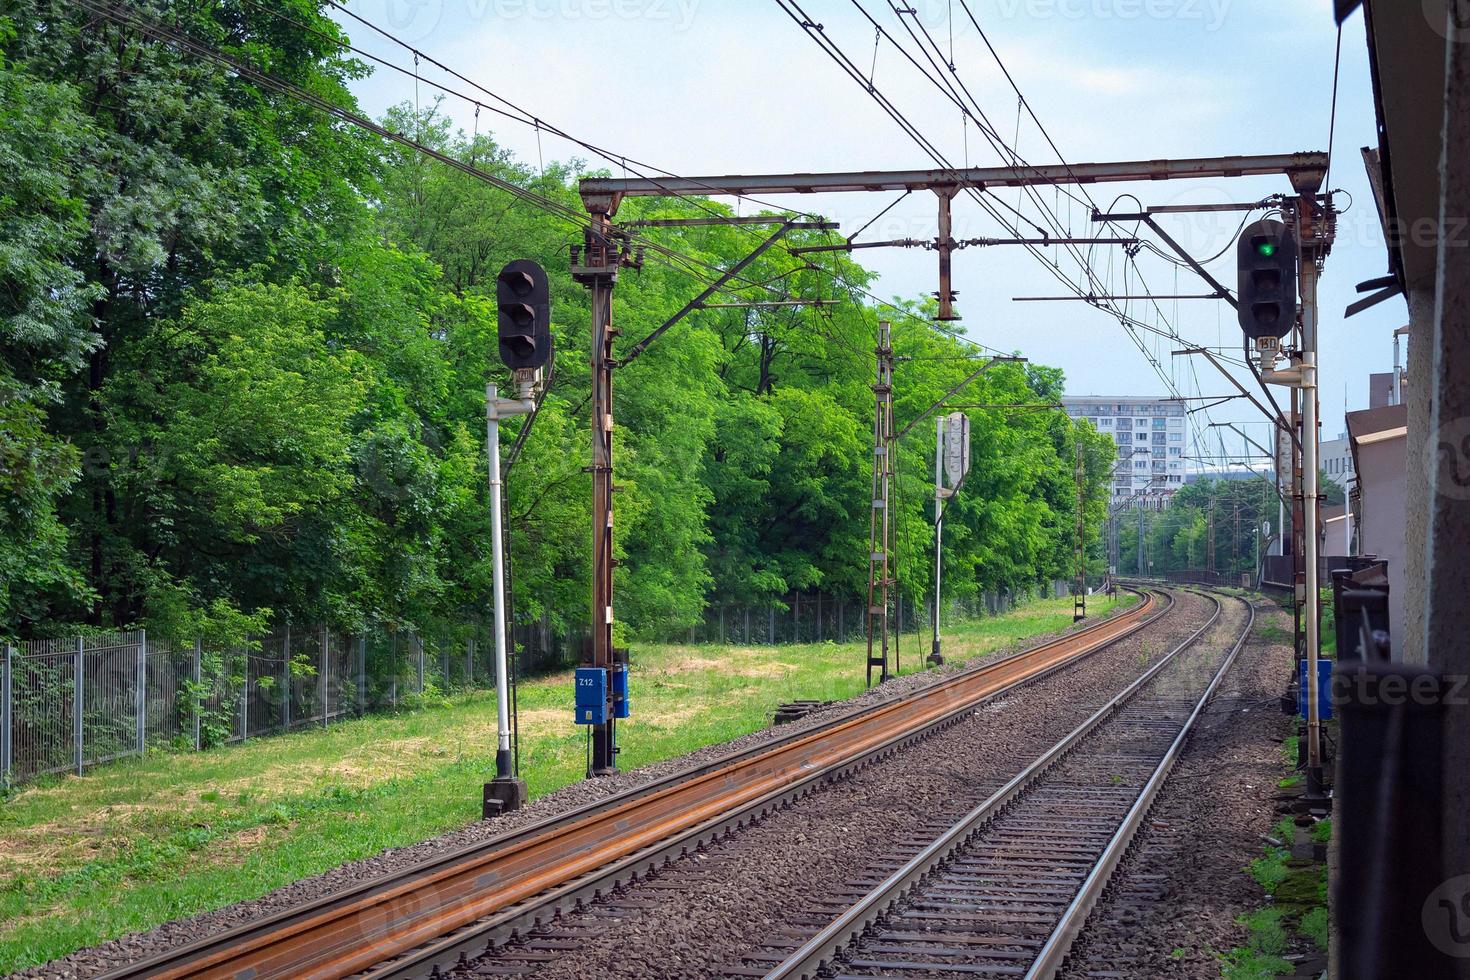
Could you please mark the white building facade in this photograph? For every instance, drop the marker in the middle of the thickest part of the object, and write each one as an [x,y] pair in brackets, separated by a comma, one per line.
[1150,434]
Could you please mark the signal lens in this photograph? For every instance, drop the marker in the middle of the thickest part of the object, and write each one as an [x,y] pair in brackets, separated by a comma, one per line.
[1267,249]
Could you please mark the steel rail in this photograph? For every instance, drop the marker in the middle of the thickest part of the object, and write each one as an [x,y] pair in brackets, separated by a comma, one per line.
[491,888]
[814,956]
[1049,961]
[451,949]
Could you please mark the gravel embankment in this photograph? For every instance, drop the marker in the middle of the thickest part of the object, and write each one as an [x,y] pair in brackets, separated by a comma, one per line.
[701,914]
[1174,902]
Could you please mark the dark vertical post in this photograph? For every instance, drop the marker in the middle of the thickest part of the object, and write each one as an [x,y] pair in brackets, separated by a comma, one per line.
[286,679]
[198,706]
[78,704]
[7,750]
[245,693]
[362,674]
[140,695]
[321,672]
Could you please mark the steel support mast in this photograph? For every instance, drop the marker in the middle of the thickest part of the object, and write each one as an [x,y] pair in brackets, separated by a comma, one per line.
[880,528]
[1079,552]
[596,267]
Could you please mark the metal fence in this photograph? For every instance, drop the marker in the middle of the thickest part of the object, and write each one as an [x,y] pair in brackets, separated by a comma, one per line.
[817,617]
[66,704]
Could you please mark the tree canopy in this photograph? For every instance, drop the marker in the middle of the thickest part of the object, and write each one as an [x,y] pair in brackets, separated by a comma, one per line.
[245,349]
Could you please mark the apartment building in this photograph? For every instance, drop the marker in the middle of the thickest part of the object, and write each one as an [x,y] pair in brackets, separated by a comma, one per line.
[1150,434]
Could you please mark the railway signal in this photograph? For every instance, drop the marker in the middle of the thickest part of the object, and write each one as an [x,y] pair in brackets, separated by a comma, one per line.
[523,302]
[1266,257]
[523,295]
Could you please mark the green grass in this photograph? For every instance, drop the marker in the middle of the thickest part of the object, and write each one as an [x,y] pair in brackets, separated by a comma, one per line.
[1313,925]
[1270,870]
[148,840]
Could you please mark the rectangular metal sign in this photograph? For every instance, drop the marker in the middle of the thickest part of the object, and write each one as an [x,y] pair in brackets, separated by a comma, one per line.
[956,447]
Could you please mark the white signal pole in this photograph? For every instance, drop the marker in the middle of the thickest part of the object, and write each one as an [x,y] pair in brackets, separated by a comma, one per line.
[507,791]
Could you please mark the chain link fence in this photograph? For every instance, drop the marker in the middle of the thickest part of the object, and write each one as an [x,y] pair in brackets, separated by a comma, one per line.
[818,618]
[68,704]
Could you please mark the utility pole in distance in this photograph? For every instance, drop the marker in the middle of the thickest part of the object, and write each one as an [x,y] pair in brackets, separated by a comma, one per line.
[1079,548]
[523,301]
[880,528]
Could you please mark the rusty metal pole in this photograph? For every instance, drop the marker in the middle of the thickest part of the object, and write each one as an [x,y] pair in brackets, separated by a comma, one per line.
[944,245]
[879,536]
[598,271]
[1079,555]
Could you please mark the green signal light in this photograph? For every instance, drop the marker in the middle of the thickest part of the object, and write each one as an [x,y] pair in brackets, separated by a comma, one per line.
[1267,249]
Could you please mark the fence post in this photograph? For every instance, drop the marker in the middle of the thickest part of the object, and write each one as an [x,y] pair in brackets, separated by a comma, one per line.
[6,709]
[78,704]
[443,663]
[245,694]
[362,674]
[198,689]
[321,673]
[140,702]
[469,662]
[420,645]
[286,679]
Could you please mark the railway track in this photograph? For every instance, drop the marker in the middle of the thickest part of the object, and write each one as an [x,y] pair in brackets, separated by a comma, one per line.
[431,915]
[1004,889]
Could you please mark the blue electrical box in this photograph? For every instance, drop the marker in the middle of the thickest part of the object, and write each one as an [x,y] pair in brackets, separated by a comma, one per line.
[1324,688]
[621,707]
[591,685]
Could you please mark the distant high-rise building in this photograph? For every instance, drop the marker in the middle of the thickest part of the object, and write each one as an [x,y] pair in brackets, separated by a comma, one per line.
[1150,436]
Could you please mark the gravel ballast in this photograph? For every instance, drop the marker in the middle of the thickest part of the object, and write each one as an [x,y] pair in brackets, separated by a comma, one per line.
[96,960]
[1174,901]
[697,917]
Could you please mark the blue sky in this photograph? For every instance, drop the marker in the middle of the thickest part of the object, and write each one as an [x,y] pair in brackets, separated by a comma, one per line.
[731,86]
